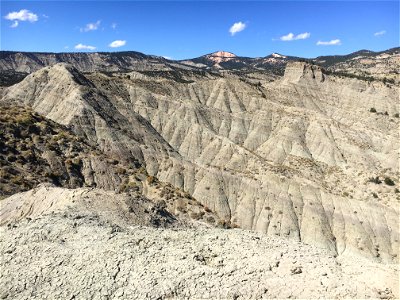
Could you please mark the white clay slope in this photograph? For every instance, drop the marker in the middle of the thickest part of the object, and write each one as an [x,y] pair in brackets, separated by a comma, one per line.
[290,157]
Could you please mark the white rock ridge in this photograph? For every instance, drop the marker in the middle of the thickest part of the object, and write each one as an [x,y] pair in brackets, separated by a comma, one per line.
[291,157]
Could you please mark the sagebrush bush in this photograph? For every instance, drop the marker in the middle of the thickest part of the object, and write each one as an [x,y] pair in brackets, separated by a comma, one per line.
[375,180]
[389,181]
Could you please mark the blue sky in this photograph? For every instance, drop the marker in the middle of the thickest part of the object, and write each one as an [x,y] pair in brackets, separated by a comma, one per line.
[187,29]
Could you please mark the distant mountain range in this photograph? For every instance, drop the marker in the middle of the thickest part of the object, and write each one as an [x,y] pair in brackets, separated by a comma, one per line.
[27,62]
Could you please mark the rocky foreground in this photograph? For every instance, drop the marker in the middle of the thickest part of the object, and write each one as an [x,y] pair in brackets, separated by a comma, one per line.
[57,243]
[75,256]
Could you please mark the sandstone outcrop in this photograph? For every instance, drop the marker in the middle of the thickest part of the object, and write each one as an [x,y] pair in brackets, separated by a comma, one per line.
[296,72]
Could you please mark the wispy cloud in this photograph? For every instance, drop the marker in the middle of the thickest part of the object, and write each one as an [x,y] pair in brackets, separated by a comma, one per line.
[117,43]
[237,27]
[329,43]
[379,33]
[91,26]
[21,16]
[84,47]
[114,25]
[291,37]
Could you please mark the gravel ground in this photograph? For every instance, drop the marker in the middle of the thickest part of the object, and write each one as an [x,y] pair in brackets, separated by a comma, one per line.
[70,256]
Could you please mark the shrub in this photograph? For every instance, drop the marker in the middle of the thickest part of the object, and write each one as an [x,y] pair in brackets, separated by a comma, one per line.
[23,120]
[54,177]
[151,179]
[224,224]
[207,209]
[375,195]
[375,180]
[17,180]
[121,170]
[11,158]
[142,170]
[114,162]
[373,110]
[210,219]
[396,115]
[389,181]
[196,216]
[181,209]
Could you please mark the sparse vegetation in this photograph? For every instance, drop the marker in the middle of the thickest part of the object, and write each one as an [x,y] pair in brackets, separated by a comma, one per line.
[224,224]
[389,181]
[10,77]
[207,209]
[375,180]
[34,149]
[151,180]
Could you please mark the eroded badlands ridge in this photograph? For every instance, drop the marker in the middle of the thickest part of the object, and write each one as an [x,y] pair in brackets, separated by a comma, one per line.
[292,157]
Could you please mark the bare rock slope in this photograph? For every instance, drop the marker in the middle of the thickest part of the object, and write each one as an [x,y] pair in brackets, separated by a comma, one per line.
[293,157]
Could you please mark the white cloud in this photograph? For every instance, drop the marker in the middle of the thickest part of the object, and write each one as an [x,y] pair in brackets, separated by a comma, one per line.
[167,57]
[84,47]
[288,37]
[91,26]
[117,43]
[237,27]
[291,37]
[379,33]
[22,15]
[302,36]
[114,25]
[329,43]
